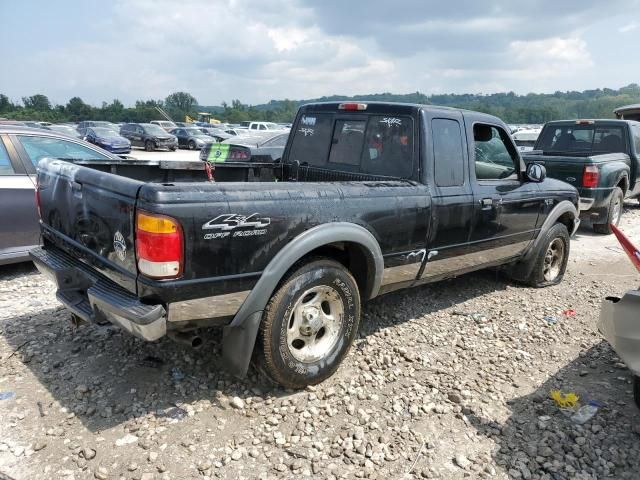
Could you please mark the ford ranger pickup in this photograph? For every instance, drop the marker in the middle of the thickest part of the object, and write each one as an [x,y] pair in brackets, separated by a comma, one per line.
[368,198]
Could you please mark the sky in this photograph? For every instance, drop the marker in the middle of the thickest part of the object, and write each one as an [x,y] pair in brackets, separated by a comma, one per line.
[258,50]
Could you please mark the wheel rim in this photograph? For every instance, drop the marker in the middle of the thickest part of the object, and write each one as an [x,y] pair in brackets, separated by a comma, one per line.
[314,326]
[192,145]
[616,211]
[553,259]
[149,146]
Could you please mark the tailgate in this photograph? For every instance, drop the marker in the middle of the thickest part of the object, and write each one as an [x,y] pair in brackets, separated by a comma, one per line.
[90,215]
[567,169]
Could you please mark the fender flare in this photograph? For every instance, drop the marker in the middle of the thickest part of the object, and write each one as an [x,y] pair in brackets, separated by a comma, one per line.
[565,206]
[240,335]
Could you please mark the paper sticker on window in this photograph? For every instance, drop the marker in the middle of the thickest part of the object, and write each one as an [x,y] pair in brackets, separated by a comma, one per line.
[307,132]
[308,121]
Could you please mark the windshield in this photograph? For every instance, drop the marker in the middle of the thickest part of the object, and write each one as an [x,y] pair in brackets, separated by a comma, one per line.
[272,126]
[154,130]
[103,132]
[194,132]
[64,129]
[582,138]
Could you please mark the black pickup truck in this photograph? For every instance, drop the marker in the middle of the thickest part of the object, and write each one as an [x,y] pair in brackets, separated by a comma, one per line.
[368,198]
[601,158]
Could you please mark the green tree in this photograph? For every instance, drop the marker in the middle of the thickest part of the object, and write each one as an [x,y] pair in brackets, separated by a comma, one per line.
[182,102]
[38,102]
[77,110]
[5,104]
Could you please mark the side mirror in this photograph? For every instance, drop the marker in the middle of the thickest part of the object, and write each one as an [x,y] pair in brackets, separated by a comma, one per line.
[536,172]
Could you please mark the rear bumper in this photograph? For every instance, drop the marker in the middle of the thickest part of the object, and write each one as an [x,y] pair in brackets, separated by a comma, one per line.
[594,203]
[619,323]
[95,298]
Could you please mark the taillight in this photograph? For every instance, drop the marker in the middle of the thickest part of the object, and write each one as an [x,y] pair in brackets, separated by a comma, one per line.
[590,176]
[158,245]
[238,154]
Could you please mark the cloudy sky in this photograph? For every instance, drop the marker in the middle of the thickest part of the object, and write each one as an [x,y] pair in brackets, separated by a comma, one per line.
[257,50]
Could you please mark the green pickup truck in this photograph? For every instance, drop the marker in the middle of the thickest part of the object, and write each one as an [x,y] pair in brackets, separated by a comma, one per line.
[601,158]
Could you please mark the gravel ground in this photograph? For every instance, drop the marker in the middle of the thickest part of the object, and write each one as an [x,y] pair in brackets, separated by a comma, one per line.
[446,381]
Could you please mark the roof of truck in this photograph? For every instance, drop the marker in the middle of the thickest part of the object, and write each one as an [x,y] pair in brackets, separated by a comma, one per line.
[405,106]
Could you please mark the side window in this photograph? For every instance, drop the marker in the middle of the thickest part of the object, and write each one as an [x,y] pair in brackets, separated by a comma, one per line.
[346,143]
[5,164]
[312,139]
[263,127]
[38,148]
[447,152]
[495,158]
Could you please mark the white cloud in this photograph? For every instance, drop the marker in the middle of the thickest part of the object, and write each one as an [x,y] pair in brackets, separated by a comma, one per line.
[552,56]
[629,27]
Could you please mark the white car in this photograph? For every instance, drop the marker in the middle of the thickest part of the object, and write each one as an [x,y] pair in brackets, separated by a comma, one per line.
[261,126]
[526,139]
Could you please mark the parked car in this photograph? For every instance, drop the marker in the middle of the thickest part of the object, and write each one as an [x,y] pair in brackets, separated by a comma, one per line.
[65,129]
[256,148]
[260,126]
[191,138]
[356,208]
[525,140]
[164,124]
[183,124]
[599,157]
[149,136]
[20,150]
[618,321]
[107,139]
[35,124]
[82,126]
[217,134]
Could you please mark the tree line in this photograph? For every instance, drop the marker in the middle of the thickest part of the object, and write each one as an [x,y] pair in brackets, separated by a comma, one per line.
[512,108]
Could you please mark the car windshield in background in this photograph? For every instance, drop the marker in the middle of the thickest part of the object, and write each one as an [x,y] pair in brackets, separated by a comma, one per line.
[585,139]
[372,145]
[103,132]
[194,132]
[155,130]
[64,129]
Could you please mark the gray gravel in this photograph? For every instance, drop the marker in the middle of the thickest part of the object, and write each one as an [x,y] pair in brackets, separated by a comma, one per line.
[446,381]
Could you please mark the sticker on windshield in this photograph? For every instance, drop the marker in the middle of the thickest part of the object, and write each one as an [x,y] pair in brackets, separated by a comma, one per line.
[308,121]
[307,132]
[391,121]
[232,224]
[219,153]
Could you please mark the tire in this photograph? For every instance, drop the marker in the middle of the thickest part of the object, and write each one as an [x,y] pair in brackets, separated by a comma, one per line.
[173,149]
[295,353]
[636,390]
[550,261]
[614,212]
[191,145]
[149,146]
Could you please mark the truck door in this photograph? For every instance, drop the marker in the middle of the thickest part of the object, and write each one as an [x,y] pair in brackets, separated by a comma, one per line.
[506,205]
[447,175]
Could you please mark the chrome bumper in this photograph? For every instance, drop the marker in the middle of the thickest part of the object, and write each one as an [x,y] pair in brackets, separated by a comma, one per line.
[586,203]
[619,323]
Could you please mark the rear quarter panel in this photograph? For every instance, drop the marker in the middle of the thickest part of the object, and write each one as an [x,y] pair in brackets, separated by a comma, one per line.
[222,256]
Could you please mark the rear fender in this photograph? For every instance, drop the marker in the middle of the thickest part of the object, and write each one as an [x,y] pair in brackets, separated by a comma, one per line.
[240,335]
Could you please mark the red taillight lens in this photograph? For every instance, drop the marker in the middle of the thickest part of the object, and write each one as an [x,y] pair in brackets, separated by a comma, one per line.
[590,176]
[236,154]
[158,245]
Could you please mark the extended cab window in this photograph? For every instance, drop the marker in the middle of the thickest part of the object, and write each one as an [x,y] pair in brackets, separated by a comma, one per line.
[447,152]
[38,148]
[495,157]
[370,144]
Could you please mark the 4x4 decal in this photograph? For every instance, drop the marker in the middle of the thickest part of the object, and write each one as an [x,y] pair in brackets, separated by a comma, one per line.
[240,225]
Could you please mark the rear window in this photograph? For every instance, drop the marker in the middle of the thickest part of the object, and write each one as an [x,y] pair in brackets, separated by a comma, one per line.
[371,144]
[585,139]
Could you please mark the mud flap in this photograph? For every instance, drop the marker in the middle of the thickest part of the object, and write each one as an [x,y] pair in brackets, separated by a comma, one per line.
[238,343]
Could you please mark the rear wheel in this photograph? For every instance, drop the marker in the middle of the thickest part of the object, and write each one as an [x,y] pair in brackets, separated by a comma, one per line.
[148,146]
[636,390]
[309,324]
[550,261]
[614,212]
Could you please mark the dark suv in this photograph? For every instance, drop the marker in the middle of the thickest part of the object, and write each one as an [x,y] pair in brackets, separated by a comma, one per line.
[149,136]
